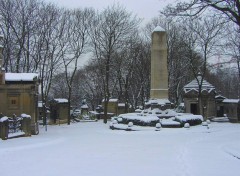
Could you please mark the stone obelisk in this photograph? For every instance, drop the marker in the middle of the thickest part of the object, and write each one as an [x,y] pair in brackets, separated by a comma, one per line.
[159,71]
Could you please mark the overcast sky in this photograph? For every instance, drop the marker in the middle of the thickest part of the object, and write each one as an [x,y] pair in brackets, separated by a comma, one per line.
[145,9]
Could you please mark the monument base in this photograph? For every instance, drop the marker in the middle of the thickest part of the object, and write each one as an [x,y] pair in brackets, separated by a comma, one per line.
[161,104]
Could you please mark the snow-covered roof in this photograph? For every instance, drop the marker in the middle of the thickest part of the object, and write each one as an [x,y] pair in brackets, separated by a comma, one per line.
[231,100]
[194,85]
[25,116]
[158,29]
[85,106]
[121,104]
[220,97]
[61,100]
[158,101]
[20,76]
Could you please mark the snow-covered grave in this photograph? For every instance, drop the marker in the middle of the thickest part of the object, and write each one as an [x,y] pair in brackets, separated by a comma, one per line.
[92,149]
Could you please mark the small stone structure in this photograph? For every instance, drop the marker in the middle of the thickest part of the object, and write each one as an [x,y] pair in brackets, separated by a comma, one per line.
[191,98]
[58,111]
[115,107]
[84,109]
[232,109]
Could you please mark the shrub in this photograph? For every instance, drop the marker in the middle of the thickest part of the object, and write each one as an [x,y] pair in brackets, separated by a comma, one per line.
[191,119]
[139,120]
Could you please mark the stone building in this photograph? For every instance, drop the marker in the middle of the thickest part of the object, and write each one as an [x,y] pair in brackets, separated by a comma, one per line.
[115,108]
[19,95]
[58,111]
[191,98]
[231,108]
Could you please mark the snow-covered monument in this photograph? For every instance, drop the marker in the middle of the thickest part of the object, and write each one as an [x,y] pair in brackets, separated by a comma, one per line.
[159,71]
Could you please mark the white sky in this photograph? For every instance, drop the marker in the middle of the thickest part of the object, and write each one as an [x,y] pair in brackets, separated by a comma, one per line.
[146,9]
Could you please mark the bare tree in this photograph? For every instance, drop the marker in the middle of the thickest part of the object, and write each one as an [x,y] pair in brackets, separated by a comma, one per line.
[46,51]
[111,28]
[232,49]
[206,33]
[74,41]
[19,25]
[229,8]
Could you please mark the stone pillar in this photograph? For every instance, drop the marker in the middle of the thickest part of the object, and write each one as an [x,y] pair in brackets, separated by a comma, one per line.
[4,128]
[159,71]
[26,126]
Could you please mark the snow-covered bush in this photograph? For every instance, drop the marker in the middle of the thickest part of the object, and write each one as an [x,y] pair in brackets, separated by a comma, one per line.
[186,125]
[114,122]
[149,120]
[189,118]
[169,123]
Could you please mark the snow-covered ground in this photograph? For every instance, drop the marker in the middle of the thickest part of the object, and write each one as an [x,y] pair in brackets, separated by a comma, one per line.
[92,149]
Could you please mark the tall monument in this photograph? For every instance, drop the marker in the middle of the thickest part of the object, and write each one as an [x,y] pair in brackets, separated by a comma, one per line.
[159,71]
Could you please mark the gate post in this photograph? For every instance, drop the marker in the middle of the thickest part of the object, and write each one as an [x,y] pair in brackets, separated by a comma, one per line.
[4,128]
[26,124]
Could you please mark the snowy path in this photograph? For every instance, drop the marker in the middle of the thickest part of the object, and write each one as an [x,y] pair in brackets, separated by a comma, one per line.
[92,149]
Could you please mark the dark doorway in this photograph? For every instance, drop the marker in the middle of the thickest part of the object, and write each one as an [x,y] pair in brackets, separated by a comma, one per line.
[194,108]
[220,111]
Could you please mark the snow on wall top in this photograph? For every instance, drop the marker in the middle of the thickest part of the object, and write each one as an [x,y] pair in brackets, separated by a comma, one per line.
[25,116]
[158,29]
[61,100]
[3,119]
[20,76]
[193,85]
[231,100]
